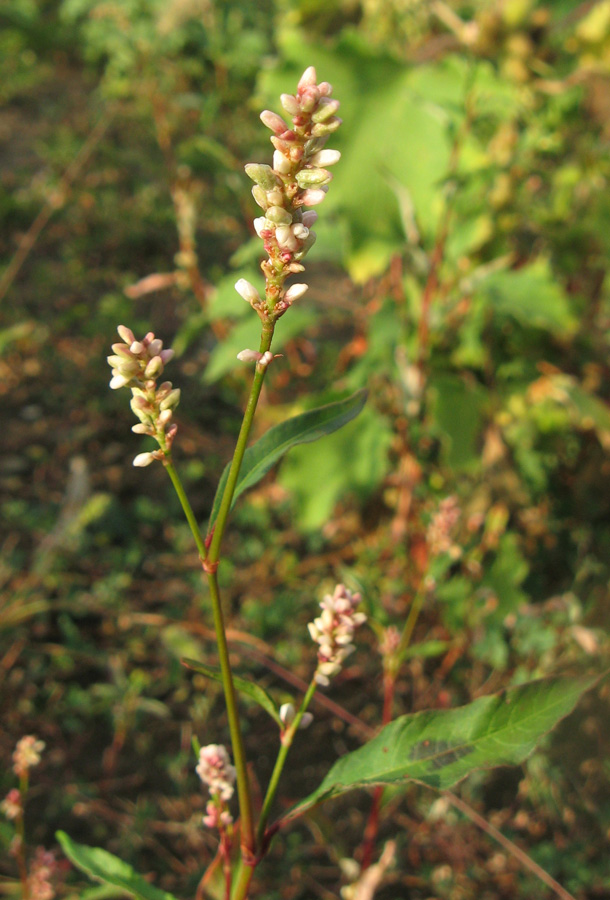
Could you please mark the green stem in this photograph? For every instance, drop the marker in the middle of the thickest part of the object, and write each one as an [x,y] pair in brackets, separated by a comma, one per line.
[287,739]
[240,448]
[407,634]
[210,563]
[243,786]
[186,506]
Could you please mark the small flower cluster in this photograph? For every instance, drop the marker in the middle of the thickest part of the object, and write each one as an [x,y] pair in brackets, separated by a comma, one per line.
[442,526]
[27,754]
[11,806]
[298,179]
[216,772]
[334,631]
[138,365]
[42,871]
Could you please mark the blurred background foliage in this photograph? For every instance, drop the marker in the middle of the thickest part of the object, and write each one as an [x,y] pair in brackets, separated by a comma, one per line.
[460,273]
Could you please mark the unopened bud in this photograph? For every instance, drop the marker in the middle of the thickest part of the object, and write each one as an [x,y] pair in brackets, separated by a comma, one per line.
[154,367]
[290,104]
[326,109]
[294,292]
[309,217]
[287,713]
[273,121]
[171,401]
[280,163]
[285,238]
[126,333]
[308,78]
[119,381]
[247,291]
[313,196]
[320,129]
[249,355]
[278,215]
[260,196]
[313,177]
[325,158]
[262,175]
[143,459]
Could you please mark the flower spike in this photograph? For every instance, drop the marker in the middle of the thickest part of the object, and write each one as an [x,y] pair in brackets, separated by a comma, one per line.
[298,180]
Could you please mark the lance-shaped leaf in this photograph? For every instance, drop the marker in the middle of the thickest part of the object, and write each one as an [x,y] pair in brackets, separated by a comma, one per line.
[249,688]
[105,867]
[302,429]
[440,747]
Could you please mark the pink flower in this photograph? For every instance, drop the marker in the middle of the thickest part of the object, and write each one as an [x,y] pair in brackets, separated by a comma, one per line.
[334,630]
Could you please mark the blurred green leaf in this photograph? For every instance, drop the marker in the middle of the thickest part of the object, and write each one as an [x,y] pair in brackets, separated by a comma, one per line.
[103,866]
[355,458]
[533,296]
[247,688]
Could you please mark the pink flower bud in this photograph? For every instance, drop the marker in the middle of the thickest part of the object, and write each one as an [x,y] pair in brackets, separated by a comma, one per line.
[273,121]
[308,78]
[313,196]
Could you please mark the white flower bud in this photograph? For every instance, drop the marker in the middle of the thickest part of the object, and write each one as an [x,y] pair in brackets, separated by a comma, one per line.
[259,225]
[325,158]
[290,104]
[126,333]
[287,713]
[285,238]
[143,459]
[249,355]
[294,292]
[247,291]
[119,381]
[280,163]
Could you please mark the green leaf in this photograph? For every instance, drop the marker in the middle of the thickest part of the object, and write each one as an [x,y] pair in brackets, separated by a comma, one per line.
[302,429]
[105,867]
[249,688]
[440,747]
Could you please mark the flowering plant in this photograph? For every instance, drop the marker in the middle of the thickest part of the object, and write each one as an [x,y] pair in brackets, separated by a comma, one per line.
[436,748]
